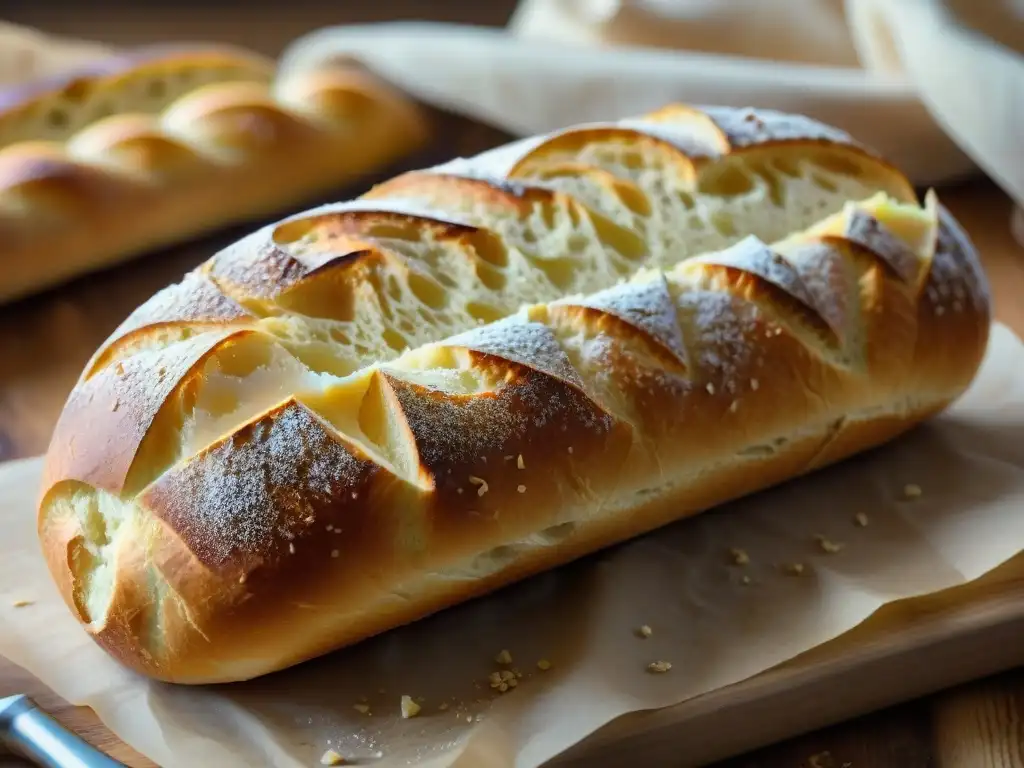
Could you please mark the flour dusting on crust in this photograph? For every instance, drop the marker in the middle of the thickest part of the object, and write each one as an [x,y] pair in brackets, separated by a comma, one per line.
[245,495]
[644,304]
[453,430]
[520,341]
[194,300]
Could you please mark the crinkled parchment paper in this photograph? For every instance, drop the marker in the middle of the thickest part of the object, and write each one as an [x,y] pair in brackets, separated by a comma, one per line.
[716,621]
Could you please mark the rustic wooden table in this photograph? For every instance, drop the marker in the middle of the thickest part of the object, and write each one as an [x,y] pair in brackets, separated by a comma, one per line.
[45,341]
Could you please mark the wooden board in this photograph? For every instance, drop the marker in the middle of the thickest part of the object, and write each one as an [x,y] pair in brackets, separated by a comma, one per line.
[964,634]
[979,635]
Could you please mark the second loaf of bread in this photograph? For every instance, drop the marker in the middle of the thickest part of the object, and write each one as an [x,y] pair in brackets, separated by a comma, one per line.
[158,146]
[284,453]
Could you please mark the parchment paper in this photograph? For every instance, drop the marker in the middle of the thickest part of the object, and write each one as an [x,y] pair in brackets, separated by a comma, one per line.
[681,581]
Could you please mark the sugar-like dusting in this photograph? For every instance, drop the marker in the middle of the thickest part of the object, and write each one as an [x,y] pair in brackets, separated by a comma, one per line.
[721,331]
[753,256]
[461,431]
[497,162]
[956,269]
[750,126]
[260,488]
[259,266]
[647,306]
[195,300]
[824,274]
[403,206]
[520,341]
[864,229]
[256,267]
[683,136]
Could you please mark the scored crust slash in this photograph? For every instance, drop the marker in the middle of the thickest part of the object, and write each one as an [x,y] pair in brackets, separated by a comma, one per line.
[159,145]
[482,370]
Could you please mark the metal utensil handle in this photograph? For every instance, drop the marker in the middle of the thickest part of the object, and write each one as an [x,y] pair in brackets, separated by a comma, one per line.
[46,742]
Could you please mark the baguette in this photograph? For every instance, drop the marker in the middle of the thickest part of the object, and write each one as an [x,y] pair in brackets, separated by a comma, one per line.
[155,146]
[377,409]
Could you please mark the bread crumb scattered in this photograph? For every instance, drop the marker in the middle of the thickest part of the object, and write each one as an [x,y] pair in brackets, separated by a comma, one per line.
[860,519]
[291,548]
[22,603]
[502,681]
[644,631]
[519,462]
[469,718]
[570,449]
[710,387]
[739,556]
[503,657]
[744,580]
[481,484]
[734,406]
[793,569]
[521,488]
[821,760]
[827,545]
[443,706]
[659,667]
[754,384]
[543,665]
[911,491]
[409,707]
[458,490]
[335,553]
[362,708]
[330,757]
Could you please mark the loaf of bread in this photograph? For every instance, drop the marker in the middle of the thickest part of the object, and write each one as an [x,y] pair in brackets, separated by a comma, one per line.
[161,145]
[377,409]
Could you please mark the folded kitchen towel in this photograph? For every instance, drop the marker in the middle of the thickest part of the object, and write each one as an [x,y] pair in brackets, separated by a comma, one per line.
[937,86]
[28,54]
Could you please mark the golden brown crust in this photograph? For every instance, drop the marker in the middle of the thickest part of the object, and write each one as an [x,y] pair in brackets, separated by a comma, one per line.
[145,80]
[163,144]
[253,471]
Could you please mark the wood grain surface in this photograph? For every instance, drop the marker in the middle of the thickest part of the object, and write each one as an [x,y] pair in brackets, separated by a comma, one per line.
[45,341]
